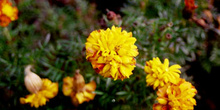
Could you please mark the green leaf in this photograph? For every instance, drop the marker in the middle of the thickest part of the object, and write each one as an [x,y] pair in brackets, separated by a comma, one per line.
[98,92]
[121,93]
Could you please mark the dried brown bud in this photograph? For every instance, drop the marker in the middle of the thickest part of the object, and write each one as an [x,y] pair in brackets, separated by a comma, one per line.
[79,81]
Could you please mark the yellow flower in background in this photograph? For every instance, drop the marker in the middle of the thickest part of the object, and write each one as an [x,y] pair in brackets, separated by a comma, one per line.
[41,89]
[111,52]
[158,74]
[76,88]
[176,96]
[7,13]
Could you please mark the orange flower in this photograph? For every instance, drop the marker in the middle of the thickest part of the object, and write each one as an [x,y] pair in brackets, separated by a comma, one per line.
[76,88]
[190,4]
[4,20]
[176,96]
[7,13]
[189,8]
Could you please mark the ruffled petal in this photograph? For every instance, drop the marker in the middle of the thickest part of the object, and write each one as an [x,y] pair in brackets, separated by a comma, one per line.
[48,91]
[116,49]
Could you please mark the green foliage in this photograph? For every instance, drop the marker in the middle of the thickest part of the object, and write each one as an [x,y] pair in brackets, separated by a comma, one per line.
[51,37]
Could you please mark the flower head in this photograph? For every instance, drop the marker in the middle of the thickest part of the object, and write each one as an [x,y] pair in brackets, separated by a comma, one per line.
[76,88]
[158,74]
[176,96]
[190,4]
[7,13]
[112,52]
[41,89]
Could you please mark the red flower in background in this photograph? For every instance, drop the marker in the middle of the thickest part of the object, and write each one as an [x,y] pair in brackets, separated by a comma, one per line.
[189,8]
[190,4]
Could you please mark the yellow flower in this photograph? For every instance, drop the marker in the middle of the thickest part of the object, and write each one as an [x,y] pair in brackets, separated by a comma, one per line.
[48,91]
[111,52]
[76,88]
[176,96]
[158,74]
[7,13]
[41,89]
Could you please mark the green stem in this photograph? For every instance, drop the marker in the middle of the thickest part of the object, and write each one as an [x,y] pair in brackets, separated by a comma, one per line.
[7,34]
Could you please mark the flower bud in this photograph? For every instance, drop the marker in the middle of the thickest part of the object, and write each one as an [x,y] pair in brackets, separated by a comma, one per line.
[32,81]
[111,15]
[79,80]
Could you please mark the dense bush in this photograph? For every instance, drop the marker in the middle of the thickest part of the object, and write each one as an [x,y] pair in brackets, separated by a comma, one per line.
[51,36]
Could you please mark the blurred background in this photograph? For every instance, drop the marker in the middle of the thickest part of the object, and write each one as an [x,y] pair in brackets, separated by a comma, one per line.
[51,35]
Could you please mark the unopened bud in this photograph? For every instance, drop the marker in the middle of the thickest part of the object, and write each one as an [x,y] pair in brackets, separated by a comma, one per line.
[111,15]
[32,81]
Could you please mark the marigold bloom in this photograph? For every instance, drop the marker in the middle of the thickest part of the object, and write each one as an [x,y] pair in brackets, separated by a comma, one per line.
[76,88]
[158,74]
[111,52]
[176,96]
[48,91]
[7,13]
[41,89]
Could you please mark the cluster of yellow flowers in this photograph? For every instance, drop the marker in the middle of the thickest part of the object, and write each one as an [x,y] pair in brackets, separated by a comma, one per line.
[43,89]
[174,93]
[7,13]
[176,96]
[111,53]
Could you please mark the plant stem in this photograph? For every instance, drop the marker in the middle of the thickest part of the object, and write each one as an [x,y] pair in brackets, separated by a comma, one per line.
[7,33]
[139,65]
